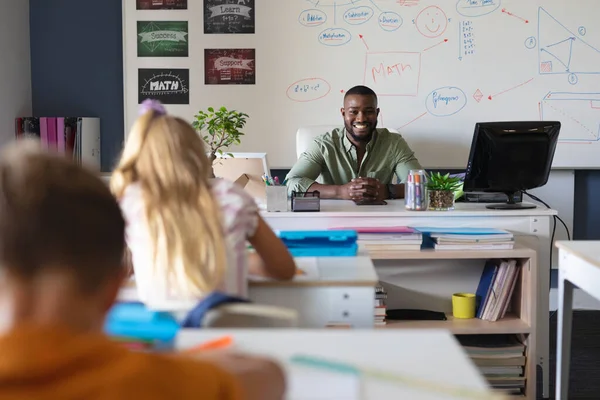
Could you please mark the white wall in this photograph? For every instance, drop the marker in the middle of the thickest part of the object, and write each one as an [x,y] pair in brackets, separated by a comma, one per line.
[15,66]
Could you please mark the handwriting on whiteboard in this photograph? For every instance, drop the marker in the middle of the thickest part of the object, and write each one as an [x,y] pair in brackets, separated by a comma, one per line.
[394,73]
[445,101]
[309,89]
[477,8]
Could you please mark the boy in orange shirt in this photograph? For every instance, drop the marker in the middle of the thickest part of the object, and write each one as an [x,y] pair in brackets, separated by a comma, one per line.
[61,249]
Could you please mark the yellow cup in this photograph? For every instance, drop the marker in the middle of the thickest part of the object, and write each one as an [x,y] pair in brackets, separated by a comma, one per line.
[463,305]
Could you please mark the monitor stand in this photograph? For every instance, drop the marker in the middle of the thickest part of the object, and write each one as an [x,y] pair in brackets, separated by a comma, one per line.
[510,204]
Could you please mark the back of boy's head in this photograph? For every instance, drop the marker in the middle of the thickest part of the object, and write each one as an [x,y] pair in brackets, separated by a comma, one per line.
[57,215]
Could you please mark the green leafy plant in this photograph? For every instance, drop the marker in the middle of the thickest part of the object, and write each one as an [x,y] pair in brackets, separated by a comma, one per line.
[437,181]
[219,129]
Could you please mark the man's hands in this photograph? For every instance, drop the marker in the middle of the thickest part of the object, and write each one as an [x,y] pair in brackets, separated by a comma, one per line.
[364,188]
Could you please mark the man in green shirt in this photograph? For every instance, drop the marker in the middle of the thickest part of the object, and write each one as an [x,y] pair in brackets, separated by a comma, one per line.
[357,162]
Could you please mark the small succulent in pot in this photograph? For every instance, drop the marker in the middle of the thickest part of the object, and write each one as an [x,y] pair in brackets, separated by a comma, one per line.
[441,189]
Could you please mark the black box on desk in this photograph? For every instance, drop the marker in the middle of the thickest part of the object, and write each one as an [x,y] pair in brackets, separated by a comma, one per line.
[306,201]
[488,197]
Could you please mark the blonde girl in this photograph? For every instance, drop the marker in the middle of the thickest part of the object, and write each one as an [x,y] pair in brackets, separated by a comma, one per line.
[187,233]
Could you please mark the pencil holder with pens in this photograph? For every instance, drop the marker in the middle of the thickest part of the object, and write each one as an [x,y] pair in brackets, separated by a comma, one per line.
[277,199]
[415,190]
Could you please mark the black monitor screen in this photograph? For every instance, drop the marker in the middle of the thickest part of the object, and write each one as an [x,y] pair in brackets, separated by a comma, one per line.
[511,156]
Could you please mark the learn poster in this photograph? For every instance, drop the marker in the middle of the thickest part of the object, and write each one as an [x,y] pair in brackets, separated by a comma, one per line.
[169,85]
[161,4]
[229,66]
[229,16]
[162,39]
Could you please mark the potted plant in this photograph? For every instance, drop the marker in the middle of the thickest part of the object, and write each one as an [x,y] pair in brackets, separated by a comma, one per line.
[219,129]
[441,189]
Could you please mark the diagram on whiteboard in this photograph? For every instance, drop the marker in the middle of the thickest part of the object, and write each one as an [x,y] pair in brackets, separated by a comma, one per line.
[561,51]
[352,14]
[579,114]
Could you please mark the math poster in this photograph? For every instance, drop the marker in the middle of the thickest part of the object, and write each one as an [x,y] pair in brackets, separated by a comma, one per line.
[162,39]
[229,66]
[229,16]
[170,86]
[161,4]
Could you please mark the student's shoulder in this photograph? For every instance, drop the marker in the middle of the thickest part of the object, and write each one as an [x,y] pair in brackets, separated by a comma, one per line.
[187,378]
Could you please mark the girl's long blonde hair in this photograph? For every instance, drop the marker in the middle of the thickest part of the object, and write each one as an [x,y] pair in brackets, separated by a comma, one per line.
[167,158]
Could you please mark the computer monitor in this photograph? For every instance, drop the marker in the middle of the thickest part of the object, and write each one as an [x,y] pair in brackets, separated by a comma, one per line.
[510,157]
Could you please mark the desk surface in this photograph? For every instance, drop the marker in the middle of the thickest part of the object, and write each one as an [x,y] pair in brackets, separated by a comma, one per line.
[431,355]
[344,208]
[588,250]
[327,271]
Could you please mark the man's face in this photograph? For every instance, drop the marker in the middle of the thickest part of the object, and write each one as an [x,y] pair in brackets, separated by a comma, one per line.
[360,116]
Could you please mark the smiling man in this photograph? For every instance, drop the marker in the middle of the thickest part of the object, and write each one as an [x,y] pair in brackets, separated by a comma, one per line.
[356,162]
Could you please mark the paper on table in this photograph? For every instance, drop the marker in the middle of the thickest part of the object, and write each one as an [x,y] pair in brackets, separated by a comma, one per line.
[308,270]
[313,384]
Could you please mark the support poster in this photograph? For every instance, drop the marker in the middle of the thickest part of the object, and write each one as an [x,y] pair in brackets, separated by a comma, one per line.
[229,66]
[229,16]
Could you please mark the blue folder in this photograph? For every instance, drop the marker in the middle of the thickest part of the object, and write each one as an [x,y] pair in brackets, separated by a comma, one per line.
[336,243]
[133,320]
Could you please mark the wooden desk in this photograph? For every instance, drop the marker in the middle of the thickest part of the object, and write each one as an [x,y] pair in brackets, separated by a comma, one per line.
[578,266]
[532,227]
[340,291]
[432,355]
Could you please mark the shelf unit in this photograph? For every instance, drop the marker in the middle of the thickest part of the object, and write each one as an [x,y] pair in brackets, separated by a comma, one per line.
[520,321]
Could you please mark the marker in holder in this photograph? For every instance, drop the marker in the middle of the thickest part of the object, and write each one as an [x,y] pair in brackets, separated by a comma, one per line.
[415,190]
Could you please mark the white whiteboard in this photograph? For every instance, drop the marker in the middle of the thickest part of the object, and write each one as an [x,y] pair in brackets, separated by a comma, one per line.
[433,65]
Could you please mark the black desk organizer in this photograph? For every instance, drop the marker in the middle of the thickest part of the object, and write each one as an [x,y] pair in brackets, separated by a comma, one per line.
[306,201]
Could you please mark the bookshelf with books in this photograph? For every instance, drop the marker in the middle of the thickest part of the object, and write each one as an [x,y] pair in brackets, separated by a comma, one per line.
[515,312]
[75,137]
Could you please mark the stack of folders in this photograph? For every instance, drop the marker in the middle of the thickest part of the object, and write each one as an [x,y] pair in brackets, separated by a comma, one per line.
[495,289]
[500,358]
[380,306]
[388,238]
[469,238]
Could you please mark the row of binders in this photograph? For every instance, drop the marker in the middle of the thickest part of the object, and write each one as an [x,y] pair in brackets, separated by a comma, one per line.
[76,137]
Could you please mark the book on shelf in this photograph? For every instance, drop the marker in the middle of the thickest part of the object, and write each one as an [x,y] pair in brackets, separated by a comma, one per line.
[387,237]
[380,306]
[467,238]
[500,358]
[76,137]
[495,289]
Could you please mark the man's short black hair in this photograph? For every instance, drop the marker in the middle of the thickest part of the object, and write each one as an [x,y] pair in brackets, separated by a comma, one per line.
[360,90]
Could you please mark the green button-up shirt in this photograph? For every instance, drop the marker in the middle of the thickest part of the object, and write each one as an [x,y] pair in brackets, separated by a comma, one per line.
[332,160]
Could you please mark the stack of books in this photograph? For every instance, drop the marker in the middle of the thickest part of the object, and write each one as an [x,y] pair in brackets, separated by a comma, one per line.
[380,306]
[500,358]
[389,238]
[468,238]
[495,289]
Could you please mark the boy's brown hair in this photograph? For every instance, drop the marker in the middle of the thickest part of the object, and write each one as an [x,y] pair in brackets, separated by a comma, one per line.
[57,214]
